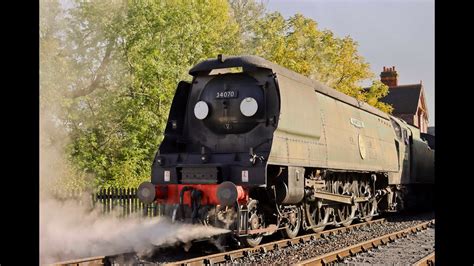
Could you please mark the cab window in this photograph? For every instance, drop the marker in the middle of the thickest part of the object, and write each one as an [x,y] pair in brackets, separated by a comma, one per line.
[397,129]
[405,136]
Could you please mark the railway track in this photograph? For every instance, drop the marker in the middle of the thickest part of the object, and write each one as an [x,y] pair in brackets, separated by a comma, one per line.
[119,259]
[365,246]
[220,257]
[245,252]
[99,260]
[275,246]
[428,260]
[323,259]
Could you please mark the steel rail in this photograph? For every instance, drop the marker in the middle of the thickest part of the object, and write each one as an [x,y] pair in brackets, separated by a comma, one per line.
[231,255]
[320,260]
[364,246]
[428,260]
[99,260]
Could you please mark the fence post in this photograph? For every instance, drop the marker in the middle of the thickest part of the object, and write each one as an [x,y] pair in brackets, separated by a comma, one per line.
[122,201]
[135,201]
[114,198]
[127,192]
[129,196]
[102,200]
[93,195]
[106,200]
[132,192]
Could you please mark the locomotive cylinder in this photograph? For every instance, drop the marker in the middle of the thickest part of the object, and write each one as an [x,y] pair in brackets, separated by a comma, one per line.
[290,189]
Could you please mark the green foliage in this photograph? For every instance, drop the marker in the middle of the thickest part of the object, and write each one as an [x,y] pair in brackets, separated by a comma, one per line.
[299,45]
[109,70]
[127,64]
[374,93]
[246,13]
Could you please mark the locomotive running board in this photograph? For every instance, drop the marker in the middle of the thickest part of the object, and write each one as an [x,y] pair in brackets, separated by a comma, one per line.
[339,198]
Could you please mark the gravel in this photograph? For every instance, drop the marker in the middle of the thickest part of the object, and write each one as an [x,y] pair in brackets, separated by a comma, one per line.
[313,248]
[310,249]
[403,251]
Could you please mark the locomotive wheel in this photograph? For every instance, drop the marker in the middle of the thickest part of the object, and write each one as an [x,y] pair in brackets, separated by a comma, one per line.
[255,222]
[345,214]
[293,224]
[368,209]
[317,217]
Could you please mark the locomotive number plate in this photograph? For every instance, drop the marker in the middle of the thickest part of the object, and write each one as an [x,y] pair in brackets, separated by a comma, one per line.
[226,94]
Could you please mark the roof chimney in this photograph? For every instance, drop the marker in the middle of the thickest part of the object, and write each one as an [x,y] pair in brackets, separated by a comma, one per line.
[389,76]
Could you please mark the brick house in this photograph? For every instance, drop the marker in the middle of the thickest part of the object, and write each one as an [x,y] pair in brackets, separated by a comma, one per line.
[408,101]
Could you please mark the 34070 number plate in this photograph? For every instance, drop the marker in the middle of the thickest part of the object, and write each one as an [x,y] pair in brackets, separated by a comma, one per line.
[226,94]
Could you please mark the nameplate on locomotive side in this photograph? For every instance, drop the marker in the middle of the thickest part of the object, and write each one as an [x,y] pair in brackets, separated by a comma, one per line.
[357,123]
[226,94]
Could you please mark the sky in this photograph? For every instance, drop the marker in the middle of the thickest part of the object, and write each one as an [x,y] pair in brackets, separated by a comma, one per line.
[396,33]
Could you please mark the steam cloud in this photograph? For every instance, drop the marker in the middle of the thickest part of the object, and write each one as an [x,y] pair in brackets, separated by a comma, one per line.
[69,231]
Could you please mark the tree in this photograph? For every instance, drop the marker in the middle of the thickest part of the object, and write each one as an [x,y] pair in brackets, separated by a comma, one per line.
[154,44]
[56,73]
[374,93]
[297,44]
[109,70]
[246,13]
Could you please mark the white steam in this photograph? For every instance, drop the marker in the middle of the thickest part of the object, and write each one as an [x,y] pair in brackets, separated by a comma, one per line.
[70,231]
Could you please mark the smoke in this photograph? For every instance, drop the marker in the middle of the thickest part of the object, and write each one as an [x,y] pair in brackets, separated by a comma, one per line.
[71,231]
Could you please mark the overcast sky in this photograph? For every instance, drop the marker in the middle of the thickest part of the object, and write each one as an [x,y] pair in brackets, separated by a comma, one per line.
[396,33]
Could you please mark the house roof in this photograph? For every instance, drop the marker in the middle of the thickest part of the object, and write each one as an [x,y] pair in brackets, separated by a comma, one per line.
[404,98]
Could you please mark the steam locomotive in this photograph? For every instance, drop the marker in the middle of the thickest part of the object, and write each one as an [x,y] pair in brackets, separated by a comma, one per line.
[256,148]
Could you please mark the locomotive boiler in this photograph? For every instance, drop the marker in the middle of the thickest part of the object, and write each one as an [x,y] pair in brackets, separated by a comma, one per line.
[256,148]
